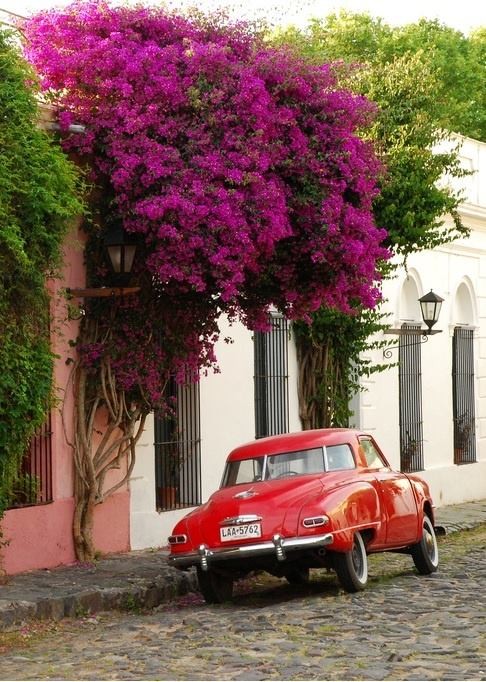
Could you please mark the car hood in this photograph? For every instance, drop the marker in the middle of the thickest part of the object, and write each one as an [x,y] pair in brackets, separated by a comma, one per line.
[277,503]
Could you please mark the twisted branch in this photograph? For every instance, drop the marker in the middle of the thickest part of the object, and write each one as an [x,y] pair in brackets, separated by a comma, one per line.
[95,389]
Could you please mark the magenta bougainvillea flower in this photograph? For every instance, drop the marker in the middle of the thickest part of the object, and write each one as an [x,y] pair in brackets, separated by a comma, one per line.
[239,167]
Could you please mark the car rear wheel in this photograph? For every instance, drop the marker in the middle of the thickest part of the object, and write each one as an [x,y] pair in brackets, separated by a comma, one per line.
[352,567]
[215,587]
[298,576]
[425,554]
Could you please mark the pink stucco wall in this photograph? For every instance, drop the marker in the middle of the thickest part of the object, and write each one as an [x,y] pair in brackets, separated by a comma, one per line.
[41,536]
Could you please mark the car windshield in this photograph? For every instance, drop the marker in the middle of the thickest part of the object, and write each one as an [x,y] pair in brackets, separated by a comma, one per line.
[269,467]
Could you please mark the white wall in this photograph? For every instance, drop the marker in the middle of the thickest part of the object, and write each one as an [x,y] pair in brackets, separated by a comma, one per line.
[458,266]
[227,420]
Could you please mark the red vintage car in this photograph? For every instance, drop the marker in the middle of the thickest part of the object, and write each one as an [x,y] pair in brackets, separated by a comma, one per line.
[313,499]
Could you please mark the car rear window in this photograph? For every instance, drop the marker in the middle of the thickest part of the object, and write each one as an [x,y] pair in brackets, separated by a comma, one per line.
[291,463]
[286,464]
[299,462]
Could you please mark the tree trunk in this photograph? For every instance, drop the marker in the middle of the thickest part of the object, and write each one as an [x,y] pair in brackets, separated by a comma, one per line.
[94,390]
[323,386]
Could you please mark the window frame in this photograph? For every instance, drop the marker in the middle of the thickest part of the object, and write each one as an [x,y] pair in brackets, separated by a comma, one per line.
[271,378]
[177,448]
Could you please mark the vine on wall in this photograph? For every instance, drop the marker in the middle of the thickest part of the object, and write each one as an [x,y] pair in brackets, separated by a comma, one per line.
[332,360]
[38,198]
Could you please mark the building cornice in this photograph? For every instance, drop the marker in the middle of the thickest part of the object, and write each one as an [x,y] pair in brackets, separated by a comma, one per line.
[473,211]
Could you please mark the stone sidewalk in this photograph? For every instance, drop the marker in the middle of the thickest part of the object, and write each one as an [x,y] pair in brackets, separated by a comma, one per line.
[140,579]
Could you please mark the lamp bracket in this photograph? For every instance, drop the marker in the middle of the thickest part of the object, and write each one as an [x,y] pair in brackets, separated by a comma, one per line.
[423,333]
[403,331]
[102,292]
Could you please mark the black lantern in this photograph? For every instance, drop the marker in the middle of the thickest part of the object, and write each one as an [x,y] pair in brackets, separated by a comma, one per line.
[121,248]
[430,304]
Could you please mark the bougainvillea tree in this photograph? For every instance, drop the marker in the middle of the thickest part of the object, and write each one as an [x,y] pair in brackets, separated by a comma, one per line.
[240,171]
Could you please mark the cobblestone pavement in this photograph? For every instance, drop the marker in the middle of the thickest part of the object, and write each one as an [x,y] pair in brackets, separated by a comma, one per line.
[402,627]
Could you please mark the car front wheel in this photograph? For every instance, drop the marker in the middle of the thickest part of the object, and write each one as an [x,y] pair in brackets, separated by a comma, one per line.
[216,588]
[352,567]
[425,554]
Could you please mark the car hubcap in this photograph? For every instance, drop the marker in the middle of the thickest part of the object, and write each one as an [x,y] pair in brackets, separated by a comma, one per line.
[430,544]
[357,560]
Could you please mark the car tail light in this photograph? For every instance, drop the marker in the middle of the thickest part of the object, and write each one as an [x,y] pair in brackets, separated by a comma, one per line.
[313,521]
[177,539]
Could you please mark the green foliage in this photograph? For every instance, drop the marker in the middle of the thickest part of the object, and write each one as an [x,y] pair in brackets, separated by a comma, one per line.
[38,196]
[332,360]
[25,388]
[426,79]
[412,203]
[413,74]
[457,62]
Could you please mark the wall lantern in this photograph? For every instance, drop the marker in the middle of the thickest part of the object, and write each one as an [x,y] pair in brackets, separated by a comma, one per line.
[121,248]
[120,253]
[430,305]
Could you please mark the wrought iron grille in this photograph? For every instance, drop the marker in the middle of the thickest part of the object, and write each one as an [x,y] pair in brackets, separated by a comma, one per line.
[410,401]
[271,378]
[463,404]
[34,484]
[178,449]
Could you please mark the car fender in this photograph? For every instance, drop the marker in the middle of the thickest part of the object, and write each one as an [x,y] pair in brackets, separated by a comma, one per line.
[423,498]
[350,507]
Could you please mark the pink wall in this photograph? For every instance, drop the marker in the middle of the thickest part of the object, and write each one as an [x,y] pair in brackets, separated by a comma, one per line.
[41,536]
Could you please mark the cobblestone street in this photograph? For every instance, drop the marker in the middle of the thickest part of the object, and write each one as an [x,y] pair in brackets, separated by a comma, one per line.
[402,626]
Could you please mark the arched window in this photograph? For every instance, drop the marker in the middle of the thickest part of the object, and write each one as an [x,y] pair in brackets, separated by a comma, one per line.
[463,378]
[410,381]
[271,378]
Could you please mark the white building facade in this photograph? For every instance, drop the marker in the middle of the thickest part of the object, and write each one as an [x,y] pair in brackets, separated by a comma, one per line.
[427,411]
[443,384]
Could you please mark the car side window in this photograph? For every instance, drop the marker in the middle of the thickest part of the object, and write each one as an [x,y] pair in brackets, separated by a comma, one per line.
[244,471]
[372,456]
[339,457]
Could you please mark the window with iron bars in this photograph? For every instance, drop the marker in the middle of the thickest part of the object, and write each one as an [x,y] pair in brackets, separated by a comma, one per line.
[178,448]
[463,405]
[271,380]
[410,401]
[33,485]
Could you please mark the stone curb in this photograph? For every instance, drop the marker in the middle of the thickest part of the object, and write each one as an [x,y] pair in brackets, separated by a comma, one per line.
[138,591]
[146,595]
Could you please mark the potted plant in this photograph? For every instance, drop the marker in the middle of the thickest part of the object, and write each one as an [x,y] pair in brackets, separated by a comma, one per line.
[463,431]
[171,463]
[409,452]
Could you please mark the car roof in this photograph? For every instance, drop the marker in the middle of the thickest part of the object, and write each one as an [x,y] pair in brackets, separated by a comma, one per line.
[289,442]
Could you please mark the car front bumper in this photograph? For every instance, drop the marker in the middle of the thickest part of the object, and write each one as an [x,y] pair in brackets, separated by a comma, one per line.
[278,546]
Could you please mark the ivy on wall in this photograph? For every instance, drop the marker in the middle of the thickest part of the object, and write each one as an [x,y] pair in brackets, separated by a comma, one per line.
[38,196]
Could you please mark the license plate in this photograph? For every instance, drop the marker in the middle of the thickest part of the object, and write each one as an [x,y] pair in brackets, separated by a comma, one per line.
[247,530]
